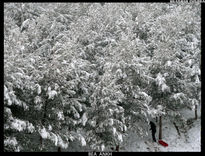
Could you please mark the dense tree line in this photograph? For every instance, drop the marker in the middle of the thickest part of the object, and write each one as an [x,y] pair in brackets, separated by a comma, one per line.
[91,71]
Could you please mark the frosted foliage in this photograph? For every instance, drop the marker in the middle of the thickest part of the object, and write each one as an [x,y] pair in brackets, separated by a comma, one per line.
[84,119]
[114,130]
[194,103]
[50,128]
[165,87]
[119,73]
[169,63]
[86,74]
[197,81]
[195,70]
[102,147]
[44,134]
[61,143]
[12,143]
[37,100]
[160,81]
[8,111]
[54,138]
[125,128]
[111,122]
[154,112]
[93,123]
[19,125]
[51,94]
[38,89]
[25,24]
[119,137]
[75,112]
[82,140]
[177,96]
[60,115]
[30,127]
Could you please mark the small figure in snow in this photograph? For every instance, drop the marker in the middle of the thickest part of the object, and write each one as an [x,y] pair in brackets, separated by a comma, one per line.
[59,149]
[153,128]
[117,148]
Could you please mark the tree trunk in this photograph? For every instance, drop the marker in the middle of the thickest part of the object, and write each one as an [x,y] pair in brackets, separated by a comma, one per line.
[177,128]
[156,119]
[41,140]
[45,113]
[160,127]
[196,112]
[41,143]
[59,149]
[22,14]
[43,121]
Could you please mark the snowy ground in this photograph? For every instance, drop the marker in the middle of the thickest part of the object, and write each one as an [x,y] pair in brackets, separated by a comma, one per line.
[169,134]
[132,143]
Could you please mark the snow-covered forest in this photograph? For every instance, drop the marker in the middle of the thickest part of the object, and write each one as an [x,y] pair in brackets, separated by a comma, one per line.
[91,76]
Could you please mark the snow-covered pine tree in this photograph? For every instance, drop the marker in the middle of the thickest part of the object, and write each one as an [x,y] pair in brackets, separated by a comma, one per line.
[106,128]
[133,80]
[18,87]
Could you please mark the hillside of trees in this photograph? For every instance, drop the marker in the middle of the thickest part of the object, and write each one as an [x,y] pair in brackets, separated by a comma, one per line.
[93,71]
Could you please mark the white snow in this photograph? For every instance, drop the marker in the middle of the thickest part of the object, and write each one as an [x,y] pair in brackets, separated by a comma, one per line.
[10,141]
[25,23]
[8,111]
[75,112]
[53,138]
[189,143]
[32,60]
[197,81]
[50,128]
[37,99]
[78,105]
[143,94]
[83,142]
[51,94]
[30,127]
[38,107]
[165,87]
[134,143]
[44,134]
[195,70]
[169,63]
[84,119]
[60,115]
[114,130]
[194,103]
[102,147]
[38,89]
[92,123]
[58,71]
[110,111]
[18,125]
[119,137]
[61,143]
[111,122]
[159,79]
